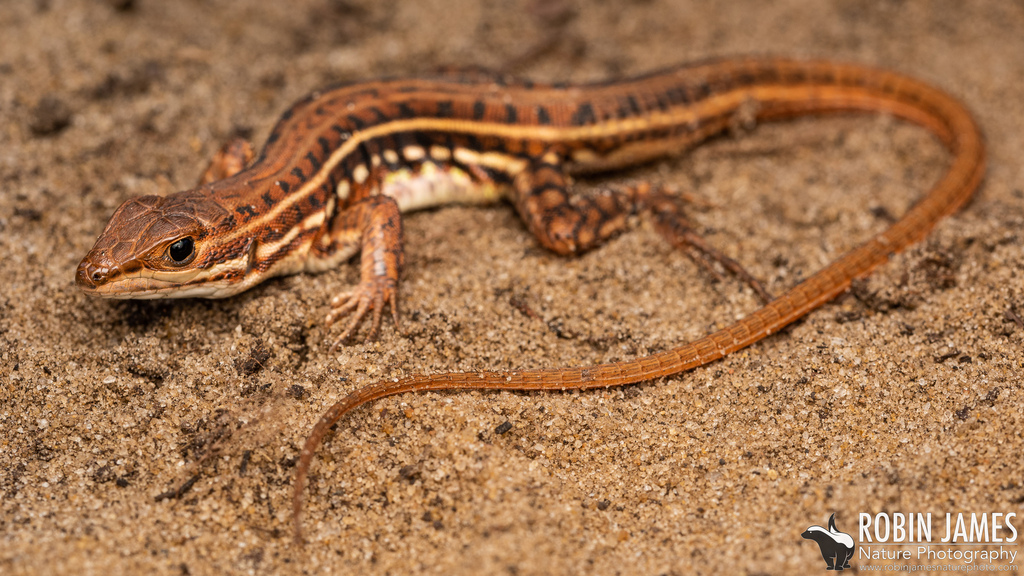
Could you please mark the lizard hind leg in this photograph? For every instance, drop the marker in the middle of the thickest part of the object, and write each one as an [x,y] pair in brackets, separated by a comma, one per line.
[564,224]
[570,225]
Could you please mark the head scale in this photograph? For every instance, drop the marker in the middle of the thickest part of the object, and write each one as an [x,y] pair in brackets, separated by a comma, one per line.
[165,247]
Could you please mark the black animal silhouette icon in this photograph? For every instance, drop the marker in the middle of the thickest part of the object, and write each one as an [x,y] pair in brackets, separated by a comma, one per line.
[836,547]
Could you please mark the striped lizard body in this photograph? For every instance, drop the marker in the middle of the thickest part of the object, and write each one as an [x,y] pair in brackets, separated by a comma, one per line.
[342,164]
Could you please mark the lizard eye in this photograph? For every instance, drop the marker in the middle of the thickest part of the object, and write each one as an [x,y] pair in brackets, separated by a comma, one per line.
[181,250]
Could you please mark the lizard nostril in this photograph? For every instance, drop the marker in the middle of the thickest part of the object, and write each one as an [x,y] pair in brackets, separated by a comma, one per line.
[89,275]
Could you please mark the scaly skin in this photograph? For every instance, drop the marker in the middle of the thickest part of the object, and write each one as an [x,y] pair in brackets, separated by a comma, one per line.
[342,165]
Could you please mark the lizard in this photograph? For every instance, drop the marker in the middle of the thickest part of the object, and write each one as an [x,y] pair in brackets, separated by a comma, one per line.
[343,164]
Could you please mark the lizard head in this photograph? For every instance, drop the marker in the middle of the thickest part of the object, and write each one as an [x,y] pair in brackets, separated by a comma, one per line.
[166,247]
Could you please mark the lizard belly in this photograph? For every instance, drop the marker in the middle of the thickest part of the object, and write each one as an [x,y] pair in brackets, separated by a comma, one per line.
[413,188]
[433,185]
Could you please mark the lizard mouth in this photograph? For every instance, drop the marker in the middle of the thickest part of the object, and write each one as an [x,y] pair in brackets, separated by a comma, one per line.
[100,276]
[145,284]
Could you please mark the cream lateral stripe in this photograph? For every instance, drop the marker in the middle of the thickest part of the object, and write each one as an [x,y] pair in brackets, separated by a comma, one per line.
[342,191]
[239,263]
[359,175]
[653,120]
[325,238]
[497,160]
[414,153]
[182,277]
[439,153]
[313,221]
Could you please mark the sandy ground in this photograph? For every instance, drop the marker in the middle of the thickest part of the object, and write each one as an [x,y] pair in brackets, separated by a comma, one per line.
[904,396]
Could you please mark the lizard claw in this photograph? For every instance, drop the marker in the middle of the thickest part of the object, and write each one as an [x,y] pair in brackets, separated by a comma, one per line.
[356,303]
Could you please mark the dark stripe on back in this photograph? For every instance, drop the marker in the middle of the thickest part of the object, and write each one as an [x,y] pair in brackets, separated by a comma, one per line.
[634,106]
[703,90]
[678,95]
[247,212]
[381,116]
[405,111]
[584,115]
[542,116]
[314,199]
[356,121]
[313,160]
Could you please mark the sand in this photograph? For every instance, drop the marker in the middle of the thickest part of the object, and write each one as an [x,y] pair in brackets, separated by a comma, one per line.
[903,396]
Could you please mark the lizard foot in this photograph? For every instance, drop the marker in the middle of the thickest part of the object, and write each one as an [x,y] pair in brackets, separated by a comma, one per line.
[367,296]
[669,220]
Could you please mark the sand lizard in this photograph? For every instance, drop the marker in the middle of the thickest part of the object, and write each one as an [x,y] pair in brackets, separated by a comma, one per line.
[342,164]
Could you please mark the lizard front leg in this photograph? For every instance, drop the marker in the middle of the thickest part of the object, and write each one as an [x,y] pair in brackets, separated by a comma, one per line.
[231,159]
[373,226]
